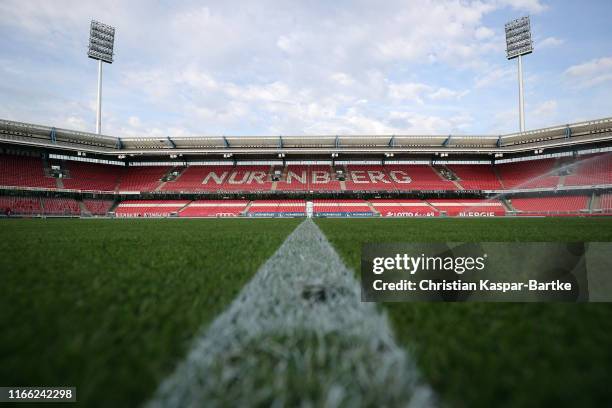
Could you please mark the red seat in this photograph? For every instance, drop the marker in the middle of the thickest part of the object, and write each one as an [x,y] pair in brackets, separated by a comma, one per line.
[550,205]
[476,176]
[469,207]
[91,176]
[142,178]
[98,207]
[20,206]
[529,174]
[60,206]
[591,170]
[403,208]
[22,171]
[214,208]
[417,177]
[149,208]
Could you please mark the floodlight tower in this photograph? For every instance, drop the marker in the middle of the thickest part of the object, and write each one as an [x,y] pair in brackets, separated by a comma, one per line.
[518,43]
[101,43]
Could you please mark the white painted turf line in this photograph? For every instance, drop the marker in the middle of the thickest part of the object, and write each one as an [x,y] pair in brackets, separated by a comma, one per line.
[297,335]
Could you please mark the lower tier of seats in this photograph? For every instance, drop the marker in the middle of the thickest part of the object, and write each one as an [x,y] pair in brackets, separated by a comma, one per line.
[214,208]
[53,206]
[559,205]
[149,208]
[551,205]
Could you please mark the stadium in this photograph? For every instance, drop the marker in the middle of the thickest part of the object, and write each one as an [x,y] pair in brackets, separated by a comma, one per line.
[233,267]
[558,171]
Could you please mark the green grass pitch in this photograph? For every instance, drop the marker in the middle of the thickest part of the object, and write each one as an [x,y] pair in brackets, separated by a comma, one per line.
[484,355]
[110,306]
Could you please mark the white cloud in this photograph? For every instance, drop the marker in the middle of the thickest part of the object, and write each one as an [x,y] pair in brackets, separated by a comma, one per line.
[134,121]
[408,91]
[495,76]
[506,120]
[73,122]
[342,79]
[450,31]
[590,73]
[253,67]
[418,92]
[412,122]
[545,109]
[446,94]
[549,42]
[483,33]
[532,6]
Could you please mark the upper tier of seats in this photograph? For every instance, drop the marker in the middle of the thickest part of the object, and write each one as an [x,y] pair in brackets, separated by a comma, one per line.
[145,178]
[528,174]
[476,177]
[91,176]
[596,169]
[17,171]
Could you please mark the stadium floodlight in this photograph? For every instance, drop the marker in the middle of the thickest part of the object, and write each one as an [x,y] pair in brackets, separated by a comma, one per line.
[101,45]
[518,43]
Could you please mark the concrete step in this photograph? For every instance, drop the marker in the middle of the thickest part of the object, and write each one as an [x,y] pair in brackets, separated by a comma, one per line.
[374,210]
[246,209]
[84,211]
[561,182]
[456,183]
[507,204]
[594,202]
[499,178]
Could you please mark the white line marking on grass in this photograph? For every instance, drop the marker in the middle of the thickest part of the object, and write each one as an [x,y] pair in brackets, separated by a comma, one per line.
[297,334]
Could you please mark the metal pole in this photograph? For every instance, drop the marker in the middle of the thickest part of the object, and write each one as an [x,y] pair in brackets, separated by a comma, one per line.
[99,111]
[521,94]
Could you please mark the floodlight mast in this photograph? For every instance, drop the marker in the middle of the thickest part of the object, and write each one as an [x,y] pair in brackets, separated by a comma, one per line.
[101,44]
[521,95]
[99,100]
[519,43]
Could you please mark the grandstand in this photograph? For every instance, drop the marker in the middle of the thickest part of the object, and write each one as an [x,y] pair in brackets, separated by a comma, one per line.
[403,208]
[149,208]
[214,208]
[557,171]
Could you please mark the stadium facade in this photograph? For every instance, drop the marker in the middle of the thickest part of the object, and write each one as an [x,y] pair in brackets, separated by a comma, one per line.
[561,170]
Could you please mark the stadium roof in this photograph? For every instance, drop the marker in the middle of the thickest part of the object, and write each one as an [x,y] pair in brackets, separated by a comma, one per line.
[26,134]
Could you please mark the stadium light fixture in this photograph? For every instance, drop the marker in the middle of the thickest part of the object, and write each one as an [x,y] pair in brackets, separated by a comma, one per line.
[101,45]
[519,43]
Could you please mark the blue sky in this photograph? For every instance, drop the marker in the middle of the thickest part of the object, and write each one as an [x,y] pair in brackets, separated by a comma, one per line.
[288,67]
